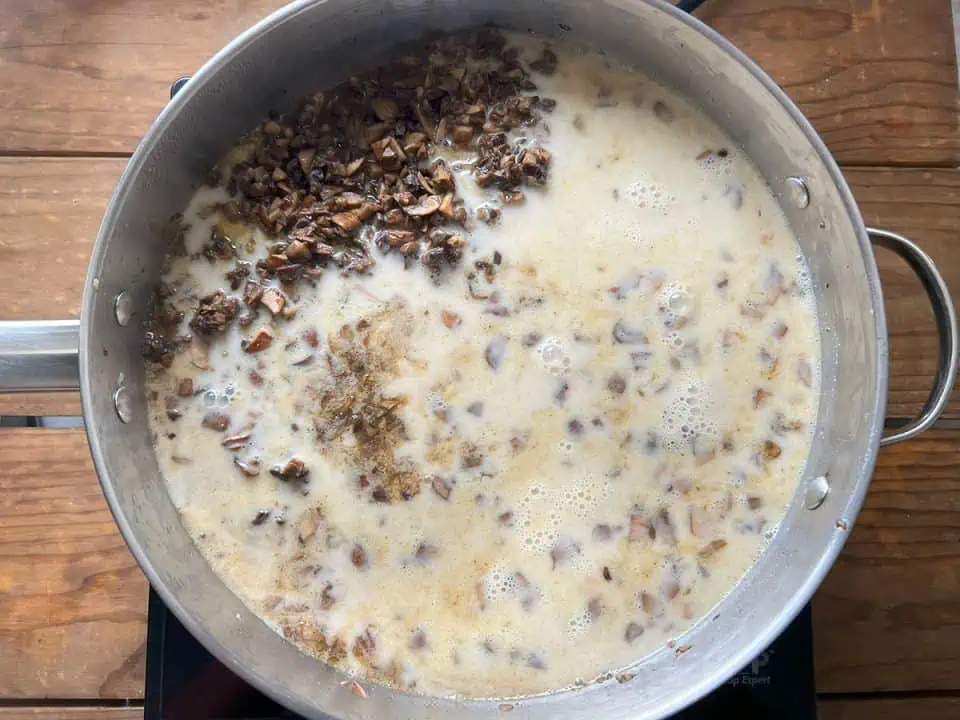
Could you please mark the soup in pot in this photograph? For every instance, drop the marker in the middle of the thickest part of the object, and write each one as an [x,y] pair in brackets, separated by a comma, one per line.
[487,373]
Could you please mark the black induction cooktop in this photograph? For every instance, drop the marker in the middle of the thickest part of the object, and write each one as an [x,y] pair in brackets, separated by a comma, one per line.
[185,682]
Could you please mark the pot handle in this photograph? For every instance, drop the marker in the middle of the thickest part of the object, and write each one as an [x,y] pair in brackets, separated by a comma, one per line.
[39,356]
[44,355]
[946,318]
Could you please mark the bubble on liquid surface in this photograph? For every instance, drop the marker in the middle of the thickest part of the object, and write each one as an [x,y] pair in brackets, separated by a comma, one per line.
[538,518]
[716,163]
[646,194]
[578,624]
[498,583]
[435,402]
[677,305]
[553,356]
[688,418]
[220,398]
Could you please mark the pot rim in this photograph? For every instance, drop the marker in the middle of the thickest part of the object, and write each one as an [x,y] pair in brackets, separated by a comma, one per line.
[732,663]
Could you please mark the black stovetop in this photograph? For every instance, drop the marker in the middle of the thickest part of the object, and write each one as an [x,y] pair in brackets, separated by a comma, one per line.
[184,682]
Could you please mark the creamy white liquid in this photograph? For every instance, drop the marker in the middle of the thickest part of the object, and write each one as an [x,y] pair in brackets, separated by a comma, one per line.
[526,577]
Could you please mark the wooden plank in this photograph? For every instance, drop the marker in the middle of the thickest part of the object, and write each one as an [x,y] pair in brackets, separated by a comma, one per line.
[72,600]
[92,76]
[49,214]
[888,615]
[71,713]
[46,403]
[830,709]
[877,78]
[924,205]
[927,708]
[50,210]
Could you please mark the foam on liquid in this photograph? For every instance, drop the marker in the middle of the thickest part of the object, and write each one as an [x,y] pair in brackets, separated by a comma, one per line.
[620,438]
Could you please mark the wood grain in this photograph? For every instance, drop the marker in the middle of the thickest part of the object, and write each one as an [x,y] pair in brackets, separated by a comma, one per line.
[50,210]
[876,77]
[924,205]
[71,713]
[888,615]
[72,600]
[934,708]
[45,403]
[89,76]
[830,709]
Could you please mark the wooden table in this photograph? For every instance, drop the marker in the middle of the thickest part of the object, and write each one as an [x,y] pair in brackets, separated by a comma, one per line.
[80,82]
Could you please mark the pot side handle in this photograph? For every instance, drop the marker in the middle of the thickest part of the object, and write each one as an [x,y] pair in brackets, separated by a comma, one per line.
[44,355]
[39,356]
[946,320]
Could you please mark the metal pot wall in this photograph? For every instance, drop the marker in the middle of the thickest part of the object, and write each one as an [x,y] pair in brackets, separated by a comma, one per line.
[315,43]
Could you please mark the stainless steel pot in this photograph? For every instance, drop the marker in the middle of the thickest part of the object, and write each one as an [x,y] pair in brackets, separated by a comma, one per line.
[316,43]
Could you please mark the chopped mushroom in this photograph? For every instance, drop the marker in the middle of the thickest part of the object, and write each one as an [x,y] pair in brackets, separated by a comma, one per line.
[428,205]
[617,384]
[471,457]
[199,354]
[663,528]
[238,439]
[760,396]
[450,319]
[805,373]
[216,421]
[250,467]
[462,134]
[214,313]
[547,63]
[358,557]
[563,550]
[293,469]
[602,532]
[712,548]
[632,632]
[441,487]
[261,341]
[663,112]
[425,553]
[770,450]
[309,523]
[273,300]
[639,528]
[536,662]
[496,349]
[418,641]
[625,335]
